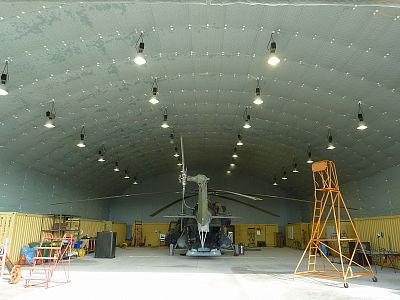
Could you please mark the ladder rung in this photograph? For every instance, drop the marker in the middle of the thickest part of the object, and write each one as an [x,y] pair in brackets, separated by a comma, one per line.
[39,268]
[46,257]
[49,248]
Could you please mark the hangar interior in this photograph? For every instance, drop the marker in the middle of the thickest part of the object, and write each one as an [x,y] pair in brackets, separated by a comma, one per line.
[103,101]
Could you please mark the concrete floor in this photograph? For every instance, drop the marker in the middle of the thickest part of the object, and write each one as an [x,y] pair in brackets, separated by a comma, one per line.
[149,273]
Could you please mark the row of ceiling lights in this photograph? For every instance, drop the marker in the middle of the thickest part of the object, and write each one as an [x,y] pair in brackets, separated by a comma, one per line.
[330,145]
[140,60]
[273,59]
[102,152]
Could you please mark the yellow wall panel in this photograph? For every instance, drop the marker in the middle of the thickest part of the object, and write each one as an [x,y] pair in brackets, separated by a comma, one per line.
[120,229]
[245,233]
[151,233]
[368,228]
[301,235]
[6,226]
[91,227]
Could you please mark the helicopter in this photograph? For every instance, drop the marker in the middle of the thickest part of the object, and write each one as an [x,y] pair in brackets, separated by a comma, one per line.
[204,232]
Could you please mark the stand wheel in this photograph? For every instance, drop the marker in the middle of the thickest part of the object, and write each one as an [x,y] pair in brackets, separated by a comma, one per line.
[346,285]
[374,279]
[15,274]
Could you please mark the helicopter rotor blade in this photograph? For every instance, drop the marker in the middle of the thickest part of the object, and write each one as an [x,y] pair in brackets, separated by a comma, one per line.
[252,197]
[113,197]
[247,204]
[169,205]
[294,199]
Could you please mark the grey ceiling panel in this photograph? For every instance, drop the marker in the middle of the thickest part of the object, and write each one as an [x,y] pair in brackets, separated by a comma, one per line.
[206,59]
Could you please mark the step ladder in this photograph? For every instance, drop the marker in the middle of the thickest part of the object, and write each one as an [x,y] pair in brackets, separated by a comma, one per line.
[3,257]
[49,254]
[329,206]
[138,241]
[315,233]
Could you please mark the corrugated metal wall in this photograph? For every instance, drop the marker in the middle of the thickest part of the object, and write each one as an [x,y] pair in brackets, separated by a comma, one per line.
[266,233]
[27,229]
[151,233]
[91,227]
[6,226]
[302,233]
[22,229]
[368,228]
[120,229]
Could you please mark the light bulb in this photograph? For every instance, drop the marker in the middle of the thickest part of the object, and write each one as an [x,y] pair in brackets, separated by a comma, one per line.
[273,60]
[228,172]
[232,164]
[101,159]
[362,125]
[247,125]
[116,169]
[153,100]
[330,146]
[3,89]
[258,100]
[164,124]
[49,123]
[234,155]
[139,59]
[309,160]
[81,144]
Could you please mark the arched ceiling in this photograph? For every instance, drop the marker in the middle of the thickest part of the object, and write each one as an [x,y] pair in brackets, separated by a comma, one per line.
[206,57]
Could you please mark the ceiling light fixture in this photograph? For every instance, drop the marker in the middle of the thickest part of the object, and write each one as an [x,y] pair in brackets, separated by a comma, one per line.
[273,59]
[257,99]
[240,141]
[126,175]
[179,162]
[4,80]
[232,164]
[116,168]
[50,115]
[176,152]
[165,122]
[295,170]
[228,172]
[330,146]
[284,177]
[275,182]
[154,90]
[309,160]
[81,143]
[361,122]
[139,58]
[246,117]
[135,181]
[101,154]
[234,155]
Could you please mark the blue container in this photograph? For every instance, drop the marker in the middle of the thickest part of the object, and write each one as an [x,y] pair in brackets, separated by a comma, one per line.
[78,244]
